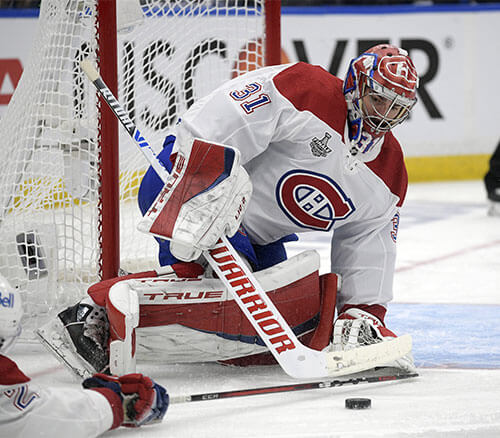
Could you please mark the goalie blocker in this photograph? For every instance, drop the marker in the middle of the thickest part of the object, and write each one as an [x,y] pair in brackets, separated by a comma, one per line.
[179,315]
[204,197]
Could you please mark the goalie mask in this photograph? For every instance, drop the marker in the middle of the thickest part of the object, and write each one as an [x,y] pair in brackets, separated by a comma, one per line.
[380,91]
[11,312]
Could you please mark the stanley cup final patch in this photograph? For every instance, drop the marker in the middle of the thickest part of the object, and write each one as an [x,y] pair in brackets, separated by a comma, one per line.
[319,148]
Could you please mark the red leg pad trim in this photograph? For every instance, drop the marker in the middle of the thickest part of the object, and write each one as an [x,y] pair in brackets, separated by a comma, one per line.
[323,333]
[99,291]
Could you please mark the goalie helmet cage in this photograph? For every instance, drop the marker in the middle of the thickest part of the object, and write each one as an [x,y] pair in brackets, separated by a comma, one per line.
[70,177]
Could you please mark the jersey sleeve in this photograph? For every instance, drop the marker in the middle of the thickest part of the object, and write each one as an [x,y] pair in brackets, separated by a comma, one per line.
[364,250]
[27,410]
[365,255]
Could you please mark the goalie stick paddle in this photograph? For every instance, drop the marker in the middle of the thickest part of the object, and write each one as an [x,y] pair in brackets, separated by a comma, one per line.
[296,359]
[288,388]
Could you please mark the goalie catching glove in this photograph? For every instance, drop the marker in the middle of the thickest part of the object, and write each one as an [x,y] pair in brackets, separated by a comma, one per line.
[203,199]
[135,399]
[356,327]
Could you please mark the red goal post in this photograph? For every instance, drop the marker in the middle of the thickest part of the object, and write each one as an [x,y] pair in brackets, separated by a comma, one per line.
[69,183]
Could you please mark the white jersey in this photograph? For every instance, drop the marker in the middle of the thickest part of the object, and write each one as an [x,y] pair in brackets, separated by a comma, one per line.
[290,124]
[29,411]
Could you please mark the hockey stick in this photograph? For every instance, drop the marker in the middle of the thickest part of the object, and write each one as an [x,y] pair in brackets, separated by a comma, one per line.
[296,359]
[288,388]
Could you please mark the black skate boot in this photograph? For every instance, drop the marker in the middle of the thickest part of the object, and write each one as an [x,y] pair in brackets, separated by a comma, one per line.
[78,337]
[88,327]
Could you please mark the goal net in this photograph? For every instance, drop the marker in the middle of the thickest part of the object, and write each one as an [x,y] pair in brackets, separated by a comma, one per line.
[70,178]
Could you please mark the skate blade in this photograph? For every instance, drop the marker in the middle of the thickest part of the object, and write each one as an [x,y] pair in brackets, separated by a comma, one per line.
[54,338]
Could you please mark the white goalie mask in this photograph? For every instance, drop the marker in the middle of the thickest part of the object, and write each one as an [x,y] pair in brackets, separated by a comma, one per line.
[11,312]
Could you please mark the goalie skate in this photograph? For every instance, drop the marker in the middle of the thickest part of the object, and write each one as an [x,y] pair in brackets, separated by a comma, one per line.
[66,336]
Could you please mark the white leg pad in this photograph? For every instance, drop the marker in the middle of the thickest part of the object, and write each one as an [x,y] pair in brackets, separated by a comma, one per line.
[123,312]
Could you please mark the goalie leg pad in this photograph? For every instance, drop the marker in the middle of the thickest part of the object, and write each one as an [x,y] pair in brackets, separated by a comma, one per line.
[203,315]
[122,307]
[194,319]
[320,338]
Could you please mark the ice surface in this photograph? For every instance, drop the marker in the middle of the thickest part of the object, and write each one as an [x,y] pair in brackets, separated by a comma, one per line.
[447,295]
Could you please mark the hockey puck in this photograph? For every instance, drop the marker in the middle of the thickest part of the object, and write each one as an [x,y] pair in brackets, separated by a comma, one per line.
[358,403]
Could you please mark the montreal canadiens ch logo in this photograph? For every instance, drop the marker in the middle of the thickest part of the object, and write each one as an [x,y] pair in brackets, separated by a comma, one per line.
[312,200]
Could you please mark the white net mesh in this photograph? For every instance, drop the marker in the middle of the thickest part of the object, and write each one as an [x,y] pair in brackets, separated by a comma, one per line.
[169,54]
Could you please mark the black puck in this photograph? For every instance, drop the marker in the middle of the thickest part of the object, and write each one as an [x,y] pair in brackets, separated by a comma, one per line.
[358,403]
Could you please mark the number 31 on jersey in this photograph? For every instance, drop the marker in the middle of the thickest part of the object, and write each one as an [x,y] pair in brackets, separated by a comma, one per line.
[247,97]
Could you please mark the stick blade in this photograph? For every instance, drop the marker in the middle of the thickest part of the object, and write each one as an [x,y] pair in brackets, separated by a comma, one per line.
[341,363]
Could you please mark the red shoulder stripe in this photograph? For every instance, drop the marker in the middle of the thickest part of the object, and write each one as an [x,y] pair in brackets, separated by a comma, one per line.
[311,88]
